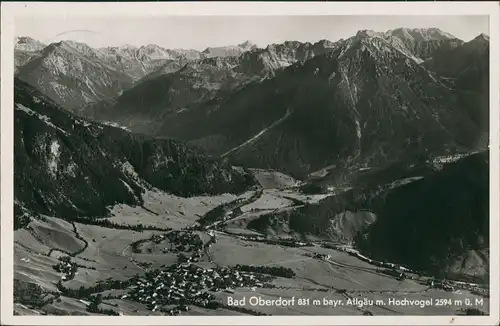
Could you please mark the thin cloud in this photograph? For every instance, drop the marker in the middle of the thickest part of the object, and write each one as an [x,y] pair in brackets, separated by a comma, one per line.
[78,31]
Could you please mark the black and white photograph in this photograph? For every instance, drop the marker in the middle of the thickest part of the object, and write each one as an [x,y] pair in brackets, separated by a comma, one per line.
[249,165]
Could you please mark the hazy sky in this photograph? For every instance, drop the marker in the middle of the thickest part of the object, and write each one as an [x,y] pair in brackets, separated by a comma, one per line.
[198,32]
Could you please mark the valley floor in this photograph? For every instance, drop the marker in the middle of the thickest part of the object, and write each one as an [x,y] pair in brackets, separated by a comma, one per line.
[229,264]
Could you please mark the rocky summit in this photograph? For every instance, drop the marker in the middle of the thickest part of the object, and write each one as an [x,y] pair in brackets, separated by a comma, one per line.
[25,49]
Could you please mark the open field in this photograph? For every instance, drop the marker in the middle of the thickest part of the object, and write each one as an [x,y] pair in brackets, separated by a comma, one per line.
[49,233]
[165,210]
[35,267]
[273,179]
[268,201]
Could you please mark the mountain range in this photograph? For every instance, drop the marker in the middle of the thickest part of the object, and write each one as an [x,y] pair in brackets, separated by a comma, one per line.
[368,115]
[58,69]
[341,107]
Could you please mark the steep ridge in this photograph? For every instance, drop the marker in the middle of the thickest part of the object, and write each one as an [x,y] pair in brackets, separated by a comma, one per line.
[366,102]
[69,167]
[73,75]
[162,92]
[25,49]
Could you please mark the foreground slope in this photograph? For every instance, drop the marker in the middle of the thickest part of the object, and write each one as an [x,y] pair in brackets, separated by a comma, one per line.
[69,167]
[432,217]
[439,223]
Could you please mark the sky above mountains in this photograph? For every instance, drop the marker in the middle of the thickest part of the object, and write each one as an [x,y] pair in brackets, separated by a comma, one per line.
[198,32]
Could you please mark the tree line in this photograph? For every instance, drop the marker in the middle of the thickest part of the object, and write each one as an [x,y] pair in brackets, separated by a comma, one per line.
[112,225]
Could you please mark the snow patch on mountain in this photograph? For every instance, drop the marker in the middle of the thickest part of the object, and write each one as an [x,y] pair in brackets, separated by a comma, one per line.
[54,158]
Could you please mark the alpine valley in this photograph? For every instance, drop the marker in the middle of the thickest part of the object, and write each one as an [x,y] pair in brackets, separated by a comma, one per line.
[154,181]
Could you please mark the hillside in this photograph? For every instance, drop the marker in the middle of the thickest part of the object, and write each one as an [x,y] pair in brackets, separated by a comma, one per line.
[72,167]
[73,75]
[58,69]
[433,217]
[466,68]
[341,107]
[438,223]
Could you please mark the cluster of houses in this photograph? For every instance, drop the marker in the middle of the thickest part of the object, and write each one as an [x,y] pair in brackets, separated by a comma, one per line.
[472,287]
[400,275]
[322,256]
[184,241]
[66,267]
[171,290]
[194,258]
[450,285]
[440,284]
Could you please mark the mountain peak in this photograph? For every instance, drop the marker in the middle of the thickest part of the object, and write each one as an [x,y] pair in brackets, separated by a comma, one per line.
[482,37]
[150,46]
[26,43]
[25,39]
[420,34]
[366,33]
[247,45]
[325,43]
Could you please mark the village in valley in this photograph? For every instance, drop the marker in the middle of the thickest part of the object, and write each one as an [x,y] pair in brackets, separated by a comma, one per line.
[197,277]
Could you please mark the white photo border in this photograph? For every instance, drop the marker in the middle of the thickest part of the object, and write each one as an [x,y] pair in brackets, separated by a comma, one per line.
[133,9]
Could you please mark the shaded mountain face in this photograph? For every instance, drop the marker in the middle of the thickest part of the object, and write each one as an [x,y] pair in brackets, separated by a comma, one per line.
[438,223]
[25,49]
[163,93]
[432,216]
[466,69]
[364,103]
[73,75]
[68,167]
